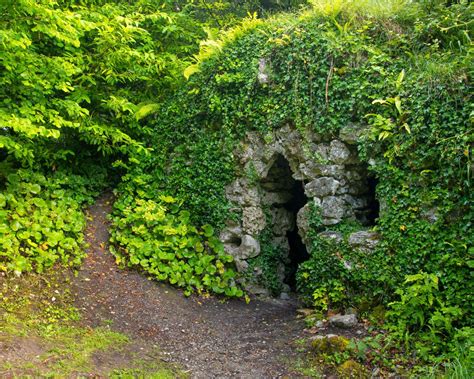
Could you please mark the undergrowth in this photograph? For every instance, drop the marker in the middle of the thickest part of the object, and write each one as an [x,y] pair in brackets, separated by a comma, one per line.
[153,232]
[42,219]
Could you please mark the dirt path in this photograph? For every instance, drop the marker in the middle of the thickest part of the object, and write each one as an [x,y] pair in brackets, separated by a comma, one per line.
[207,337]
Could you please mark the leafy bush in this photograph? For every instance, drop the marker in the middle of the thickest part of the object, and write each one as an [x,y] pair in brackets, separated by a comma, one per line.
[41,220]
[421,313]
[70,74]
[157,236]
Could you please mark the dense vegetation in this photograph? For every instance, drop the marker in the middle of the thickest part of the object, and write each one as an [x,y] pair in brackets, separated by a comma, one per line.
[94,94]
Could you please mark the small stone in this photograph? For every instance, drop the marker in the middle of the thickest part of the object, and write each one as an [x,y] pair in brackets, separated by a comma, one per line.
[262,71]
[352,369]
[284,296]
[430,215]
[365,240]
[305,312]
[343,321]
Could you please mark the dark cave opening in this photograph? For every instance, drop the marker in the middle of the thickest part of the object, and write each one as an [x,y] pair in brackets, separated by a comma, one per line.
[298,251]
[373,206]
[280,179]
[369,214]
[373,203]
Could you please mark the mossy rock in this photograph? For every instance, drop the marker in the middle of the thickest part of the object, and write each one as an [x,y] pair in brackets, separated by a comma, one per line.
[329,344]
[352,369]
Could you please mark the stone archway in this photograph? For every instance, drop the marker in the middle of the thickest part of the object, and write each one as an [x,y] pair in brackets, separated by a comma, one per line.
[280,176]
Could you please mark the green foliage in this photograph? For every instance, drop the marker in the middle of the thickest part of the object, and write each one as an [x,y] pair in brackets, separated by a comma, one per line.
[422,312]
[267,264]
[329,279]
[155,234]
[225,13]
[77,77]
[41,220]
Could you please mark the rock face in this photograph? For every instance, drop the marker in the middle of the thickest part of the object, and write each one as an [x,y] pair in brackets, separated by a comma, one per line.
[279,168]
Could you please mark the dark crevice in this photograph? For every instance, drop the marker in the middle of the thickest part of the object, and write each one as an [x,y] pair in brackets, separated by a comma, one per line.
[373,203]
[368,215]
[298,251]
[279,179]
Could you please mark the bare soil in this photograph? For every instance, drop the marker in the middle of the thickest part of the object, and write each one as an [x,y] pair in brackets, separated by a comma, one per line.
[207,337]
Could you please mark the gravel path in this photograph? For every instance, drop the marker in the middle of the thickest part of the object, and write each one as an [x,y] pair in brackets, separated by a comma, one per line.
[207,337]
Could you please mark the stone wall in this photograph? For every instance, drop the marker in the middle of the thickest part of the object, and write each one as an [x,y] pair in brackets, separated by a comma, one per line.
[270,166]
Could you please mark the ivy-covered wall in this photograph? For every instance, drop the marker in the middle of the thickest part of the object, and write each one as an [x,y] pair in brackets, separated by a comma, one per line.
[280,177]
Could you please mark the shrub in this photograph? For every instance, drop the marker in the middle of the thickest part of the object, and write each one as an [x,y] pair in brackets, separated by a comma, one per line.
[157,236]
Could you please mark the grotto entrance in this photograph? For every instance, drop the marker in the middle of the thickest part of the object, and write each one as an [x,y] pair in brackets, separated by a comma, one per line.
[285,197]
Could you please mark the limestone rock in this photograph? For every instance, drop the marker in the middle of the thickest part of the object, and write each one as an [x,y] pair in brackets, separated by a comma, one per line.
[241,265]
[276,198]
[430,215]
[321,187]
[231,234]
[336,171]
[343,321]
[282,221]
[320,152]
[364,240]
[243,153]
[333,177]
[242,192]
[356,202]
[358,188]
[249,248]
[282,242]
[253,220]
[263,71]
[302,219]
[333,209]
[338,152]
[332,236]
[350,133]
